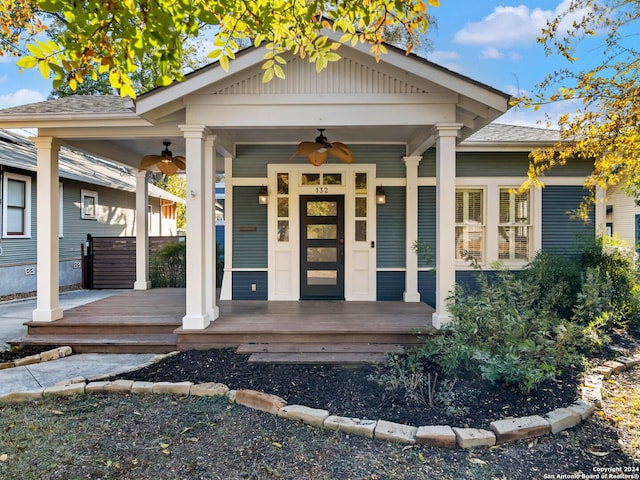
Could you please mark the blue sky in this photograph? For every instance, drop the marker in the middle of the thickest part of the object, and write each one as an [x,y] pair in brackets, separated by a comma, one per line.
[491,41]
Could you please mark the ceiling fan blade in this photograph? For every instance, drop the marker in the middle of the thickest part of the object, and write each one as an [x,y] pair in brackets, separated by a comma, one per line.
[305,148]
[148,161]
[341,152]
[168,168]
[317,158]
[180,162]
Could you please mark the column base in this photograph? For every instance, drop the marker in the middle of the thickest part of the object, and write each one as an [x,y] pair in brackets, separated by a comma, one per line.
[195,322]
[213,314]
[225,291]
[440,320]
[411,297]
[141,285]
[47,315]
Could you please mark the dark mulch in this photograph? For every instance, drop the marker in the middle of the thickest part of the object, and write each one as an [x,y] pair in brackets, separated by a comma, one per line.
[350,391]
[21,351]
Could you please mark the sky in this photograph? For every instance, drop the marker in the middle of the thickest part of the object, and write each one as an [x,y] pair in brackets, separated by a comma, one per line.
[490,41]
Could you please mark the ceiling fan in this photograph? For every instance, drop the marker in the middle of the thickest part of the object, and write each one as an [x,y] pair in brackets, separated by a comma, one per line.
[166,162]
[318,151]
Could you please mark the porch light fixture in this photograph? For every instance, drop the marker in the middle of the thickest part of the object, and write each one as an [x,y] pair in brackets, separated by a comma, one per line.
[263,196]
[381,197]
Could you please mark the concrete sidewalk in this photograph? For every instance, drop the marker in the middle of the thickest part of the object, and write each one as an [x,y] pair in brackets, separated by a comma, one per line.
[14,313]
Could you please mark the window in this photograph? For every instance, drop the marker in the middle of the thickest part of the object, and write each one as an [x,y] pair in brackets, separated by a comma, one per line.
[514,228]
[89,204]
[469,224]
[16,207]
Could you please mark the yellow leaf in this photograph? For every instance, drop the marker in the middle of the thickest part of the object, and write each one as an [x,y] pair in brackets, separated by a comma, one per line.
[55,412]
[421,457]
[4,457]
[277,444]
[27,62]
[166,452]
[477,461]
[164,445]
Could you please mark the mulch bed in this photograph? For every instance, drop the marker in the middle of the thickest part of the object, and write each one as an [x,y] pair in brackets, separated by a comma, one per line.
[350,391]
[14,353]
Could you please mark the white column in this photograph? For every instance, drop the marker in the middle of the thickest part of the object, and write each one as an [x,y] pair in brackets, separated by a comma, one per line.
[446,135]
[196,316]
[142,232]
[48,282]
[210,225]
[411,293]
[226,292]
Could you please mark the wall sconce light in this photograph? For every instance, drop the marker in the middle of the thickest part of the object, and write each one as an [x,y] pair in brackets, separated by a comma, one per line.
[263,196]
[381,197]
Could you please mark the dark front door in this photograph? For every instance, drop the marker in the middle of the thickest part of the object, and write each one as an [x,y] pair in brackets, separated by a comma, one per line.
[322,247]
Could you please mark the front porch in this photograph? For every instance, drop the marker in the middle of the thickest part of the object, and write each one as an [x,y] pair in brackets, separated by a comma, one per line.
[151,321]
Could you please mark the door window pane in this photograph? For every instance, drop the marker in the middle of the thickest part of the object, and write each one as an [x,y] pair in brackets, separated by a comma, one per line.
[283,184]
[361,206]
[332,179]
[322,232]
[283,206]
[361,230]
[322,209]
[283,230]
[322,254]
[361,183]
[322,277]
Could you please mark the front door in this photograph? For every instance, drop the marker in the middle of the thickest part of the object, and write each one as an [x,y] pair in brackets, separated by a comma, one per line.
[322,247]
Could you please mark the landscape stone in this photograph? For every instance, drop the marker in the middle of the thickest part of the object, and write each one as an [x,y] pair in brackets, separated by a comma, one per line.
[22,396]
[4,365]
[436,436]
[175,388]
[142,387]
[594,380]
[604,371]
[210,389]
[311,416]
[582,408]
[50,355]
[474,437]
[65,351]
[561,419]
[395,432]
[64,390]
[519,428]
[617,367]
[264,402]
[30,360]
[122,386]
[593,395]
[355,426]
[630,361]
[70,381]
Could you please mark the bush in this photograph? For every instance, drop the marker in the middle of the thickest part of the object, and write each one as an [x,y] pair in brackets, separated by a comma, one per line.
[168,266]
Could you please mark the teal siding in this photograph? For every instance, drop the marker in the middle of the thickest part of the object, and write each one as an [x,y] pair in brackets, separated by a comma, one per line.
[427,224]
[560,232]
[249,247]
[391,229]
[252,160]
[427,166]
[390,286]
[242,282]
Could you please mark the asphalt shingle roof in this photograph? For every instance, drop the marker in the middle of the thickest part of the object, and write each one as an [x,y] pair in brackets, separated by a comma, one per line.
[502,133]
[75,104]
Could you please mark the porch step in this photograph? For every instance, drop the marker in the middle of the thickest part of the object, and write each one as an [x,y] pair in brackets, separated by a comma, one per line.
[249,348]
[328,358]
[157,343]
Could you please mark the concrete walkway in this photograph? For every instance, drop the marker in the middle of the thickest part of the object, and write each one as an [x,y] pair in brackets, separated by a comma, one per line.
[14,313]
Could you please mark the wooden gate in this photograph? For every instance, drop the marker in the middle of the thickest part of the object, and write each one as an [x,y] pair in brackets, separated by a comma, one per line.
[110,262]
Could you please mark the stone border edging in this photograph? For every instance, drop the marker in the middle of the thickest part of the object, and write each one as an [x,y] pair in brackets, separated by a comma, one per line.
[445,436]
[53,354]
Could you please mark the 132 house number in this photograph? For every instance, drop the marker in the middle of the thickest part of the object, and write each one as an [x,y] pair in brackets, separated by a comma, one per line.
[322,189]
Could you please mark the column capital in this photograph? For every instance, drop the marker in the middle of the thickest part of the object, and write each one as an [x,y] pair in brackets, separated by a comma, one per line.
[194,131]
[412,160]
[47,142]
[447,129]
[142,174]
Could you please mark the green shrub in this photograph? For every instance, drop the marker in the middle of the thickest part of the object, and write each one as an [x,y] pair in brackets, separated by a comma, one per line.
[168,266]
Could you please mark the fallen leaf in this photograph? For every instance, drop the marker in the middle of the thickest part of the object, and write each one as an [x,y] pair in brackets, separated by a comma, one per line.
[277,444]
[164,445]
[421,457]
[477,461]
[4,457]
[598,453]
[185,430]
[166,451]
[137,413]
[55,412]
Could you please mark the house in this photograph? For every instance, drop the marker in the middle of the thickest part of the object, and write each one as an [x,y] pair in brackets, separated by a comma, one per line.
[623,218]
[96,197]
[410,160]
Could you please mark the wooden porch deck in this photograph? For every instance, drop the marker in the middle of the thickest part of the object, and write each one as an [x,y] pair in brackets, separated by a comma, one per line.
[151,321]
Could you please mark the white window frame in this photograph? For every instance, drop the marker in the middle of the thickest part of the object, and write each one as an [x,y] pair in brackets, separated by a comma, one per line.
[88,194]
[467,224]
[27,204]
[512,223]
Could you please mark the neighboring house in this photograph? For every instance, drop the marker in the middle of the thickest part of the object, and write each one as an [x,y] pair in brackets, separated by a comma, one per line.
[95,197]
[623,218]
[423,168]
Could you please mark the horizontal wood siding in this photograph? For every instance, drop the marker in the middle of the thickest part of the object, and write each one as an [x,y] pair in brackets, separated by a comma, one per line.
[427,287]
[492,164]
[427,166]
[391,234]
[561,233]
[249,247]
[390,286]
[241,286]
[252,160]
[427,224]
